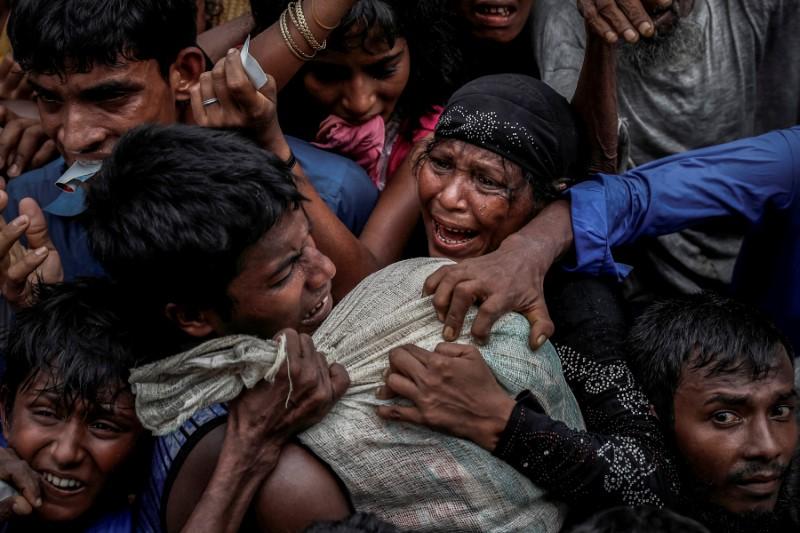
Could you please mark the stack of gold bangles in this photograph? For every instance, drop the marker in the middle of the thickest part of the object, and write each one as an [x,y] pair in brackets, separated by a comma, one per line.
[294,11]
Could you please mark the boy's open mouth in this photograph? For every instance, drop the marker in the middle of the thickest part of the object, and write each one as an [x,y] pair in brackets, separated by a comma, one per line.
[63,483]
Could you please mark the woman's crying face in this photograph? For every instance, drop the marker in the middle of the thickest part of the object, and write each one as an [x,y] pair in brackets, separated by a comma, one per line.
[471,199]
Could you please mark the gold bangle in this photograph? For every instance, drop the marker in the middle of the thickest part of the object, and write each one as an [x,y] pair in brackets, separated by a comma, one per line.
[317,22]
[290,44]
[299,20]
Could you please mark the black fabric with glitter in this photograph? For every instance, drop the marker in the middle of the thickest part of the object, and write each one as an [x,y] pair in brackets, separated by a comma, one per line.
[542,136]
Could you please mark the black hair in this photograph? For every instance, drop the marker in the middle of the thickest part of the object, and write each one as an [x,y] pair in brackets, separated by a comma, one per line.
[425,27]
[67,36]
[643,519]
[706,331]
[172,211]
[75,336]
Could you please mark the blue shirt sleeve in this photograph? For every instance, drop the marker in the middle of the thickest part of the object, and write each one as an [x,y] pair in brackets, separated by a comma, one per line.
[744,178]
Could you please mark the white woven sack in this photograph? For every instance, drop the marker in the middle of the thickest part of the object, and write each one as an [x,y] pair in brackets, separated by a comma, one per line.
[409,475]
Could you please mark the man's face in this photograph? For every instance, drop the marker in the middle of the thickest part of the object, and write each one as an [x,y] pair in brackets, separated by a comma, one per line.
[737,434]
[285,282]
[74,448]
[86,113]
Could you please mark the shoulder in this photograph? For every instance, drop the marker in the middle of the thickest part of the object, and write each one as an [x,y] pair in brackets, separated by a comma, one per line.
[301,490]
[38,184]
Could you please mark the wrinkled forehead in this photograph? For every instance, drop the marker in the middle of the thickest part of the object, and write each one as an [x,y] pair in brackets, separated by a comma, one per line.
[98,75]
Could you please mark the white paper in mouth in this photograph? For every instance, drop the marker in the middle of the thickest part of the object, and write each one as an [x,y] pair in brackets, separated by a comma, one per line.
[252,68]
[79,172]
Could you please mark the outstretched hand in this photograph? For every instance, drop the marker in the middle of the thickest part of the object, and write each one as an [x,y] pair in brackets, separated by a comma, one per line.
[22,268]
[452,389]
[626,19]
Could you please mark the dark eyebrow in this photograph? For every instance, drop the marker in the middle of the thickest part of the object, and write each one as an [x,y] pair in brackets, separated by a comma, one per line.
[728,399]
[385,60]
[110,88]
[791,395]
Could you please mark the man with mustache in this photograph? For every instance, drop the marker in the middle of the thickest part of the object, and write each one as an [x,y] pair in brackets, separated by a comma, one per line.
[720,378]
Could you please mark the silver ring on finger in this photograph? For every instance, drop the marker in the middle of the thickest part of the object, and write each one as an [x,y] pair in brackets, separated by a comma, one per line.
[210,101]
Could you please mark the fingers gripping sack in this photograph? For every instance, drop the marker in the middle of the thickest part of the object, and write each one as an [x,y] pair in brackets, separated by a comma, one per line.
[408,475]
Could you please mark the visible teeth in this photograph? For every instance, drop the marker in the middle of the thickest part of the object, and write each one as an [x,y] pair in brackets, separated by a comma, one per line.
[495,10]
[62,483]
[468,234]
[317,307]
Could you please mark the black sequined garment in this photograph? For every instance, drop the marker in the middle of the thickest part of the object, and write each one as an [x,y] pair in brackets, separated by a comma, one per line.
[622,458]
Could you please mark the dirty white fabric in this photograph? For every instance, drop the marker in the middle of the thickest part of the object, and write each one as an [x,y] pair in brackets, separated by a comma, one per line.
[409,475]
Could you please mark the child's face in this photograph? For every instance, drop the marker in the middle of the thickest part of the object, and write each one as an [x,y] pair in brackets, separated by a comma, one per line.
[75,448]
[360,84]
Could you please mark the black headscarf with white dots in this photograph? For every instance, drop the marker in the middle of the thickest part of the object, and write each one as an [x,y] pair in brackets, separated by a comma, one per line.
[518,117]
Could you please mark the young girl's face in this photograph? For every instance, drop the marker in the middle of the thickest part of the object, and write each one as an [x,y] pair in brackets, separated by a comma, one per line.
[74,448]
[361,83]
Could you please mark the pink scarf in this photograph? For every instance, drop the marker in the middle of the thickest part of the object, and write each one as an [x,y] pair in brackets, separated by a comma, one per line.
[363,143]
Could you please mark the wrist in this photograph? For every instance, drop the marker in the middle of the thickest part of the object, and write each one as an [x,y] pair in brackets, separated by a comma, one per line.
[492,427]
[548,236]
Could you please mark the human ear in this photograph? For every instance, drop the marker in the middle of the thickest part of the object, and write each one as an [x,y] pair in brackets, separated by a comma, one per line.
[194,323]
[185,72]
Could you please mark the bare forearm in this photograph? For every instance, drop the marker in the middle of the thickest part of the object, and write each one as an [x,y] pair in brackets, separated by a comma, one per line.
[548,236]
[235,481]
[218,40]
[270,49]
[595,101]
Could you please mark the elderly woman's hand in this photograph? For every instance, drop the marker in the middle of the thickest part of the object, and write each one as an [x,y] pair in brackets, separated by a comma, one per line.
[452,389]
[508,279]
[627,19]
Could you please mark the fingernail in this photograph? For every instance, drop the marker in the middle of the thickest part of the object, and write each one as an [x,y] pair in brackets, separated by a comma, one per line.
[611,37]
[645,28]
[15,508]
[232,50]
[541,340]
[386,375]
[20,221]
[440,316]
[449,333]
[378,391]
[38,502]
[14,170]
[629,35]
[41,251]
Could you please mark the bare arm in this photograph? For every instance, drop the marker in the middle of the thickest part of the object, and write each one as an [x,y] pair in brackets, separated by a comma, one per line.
[258,426]
[271,51]
[219,39]
[392,221]
[595,101]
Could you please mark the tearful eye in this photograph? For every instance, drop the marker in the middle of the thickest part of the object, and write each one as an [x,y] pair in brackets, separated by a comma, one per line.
[440,164]
[486,181]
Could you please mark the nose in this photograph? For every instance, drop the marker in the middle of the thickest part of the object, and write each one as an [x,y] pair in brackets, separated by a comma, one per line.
[452,195]
[319,269]
[764,442]
[67,448]
[80,133]
[358,98]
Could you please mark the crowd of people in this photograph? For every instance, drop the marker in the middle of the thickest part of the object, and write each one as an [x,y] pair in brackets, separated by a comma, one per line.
[400,265]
